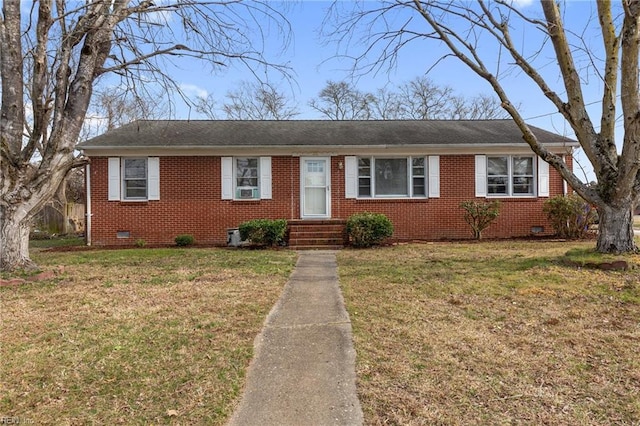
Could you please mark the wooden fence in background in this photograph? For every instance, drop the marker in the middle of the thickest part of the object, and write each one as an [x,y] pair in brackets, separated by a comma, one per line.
[61,219]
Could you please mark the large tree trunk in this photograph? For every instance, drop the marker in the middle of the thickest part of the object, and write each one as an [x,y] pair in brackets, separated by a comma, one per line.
[615,231]
[15,226]
[50,60]
[27,194]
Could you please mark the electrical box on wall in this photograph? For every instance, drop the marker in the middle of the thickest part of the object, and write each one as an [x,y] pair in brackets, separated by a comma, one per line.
[233,237]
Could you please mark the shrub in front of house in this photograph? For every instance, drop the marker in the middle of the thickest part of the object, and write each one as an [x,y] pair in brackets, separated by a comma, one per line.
[570,216]
[480,214]
[263,232]
[184,240]
[368,229]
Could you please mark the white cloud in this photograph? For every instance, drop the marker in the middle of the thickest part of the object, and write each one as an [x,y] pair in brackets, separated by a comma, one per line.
[522,3]
[193,90]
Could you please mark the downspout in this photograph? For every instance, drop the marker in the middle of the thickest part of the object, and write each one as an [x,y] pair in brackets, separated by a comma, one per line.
[87,207]
[565,189]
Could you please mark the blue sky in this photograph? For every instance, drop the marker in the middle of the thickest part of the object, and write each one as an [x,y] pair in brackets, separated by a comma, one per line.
[313,61]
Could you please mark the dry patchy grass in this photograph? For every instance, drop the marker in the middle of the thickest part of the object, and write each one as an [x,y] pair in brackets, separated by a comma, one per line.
[136,336]
[492,333]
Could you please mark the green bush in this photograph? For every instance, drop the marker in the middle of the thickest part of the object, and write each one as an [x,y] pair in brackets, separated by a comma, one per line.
[480,214]
[570,216]
[184,240]
[368,229]
[264,232]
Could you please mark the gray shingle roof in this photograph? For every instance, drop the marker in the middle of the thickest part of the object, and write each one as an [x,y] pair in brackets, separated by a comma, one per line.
[235,133]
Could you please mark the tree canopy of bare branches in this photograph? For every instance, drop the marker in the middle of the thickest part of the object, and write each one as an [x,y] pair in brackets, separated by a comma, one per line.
[488,37]
[251,101]
[340,100]
[417,99]
[53,54]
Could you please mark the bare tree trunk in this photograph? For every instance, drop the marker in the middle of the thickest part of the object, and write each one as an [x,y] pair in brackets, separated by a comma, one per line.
[497,23]
[14,235]
[51,58]
[615,231]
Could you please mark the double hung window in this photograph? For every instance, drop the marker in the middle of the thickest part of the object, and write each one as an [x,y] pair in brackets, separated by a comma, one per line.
[510,175]
[380,177]
[134,178]
[246,178]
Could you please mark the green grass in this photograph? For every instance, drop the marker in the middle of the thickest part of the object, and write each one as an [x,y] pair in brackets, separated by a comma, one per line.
[66,241]
[465,333]
[136,336]
[492,333]
[587,255]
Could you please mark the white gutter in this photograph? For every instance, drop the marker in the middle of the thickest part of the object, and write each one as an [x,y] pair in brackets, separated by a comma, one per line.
[299,150]
[87,220]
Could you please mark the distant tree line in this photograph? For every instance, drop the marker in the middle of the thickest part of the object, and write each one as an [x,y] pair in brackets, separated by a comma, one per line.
[417,99]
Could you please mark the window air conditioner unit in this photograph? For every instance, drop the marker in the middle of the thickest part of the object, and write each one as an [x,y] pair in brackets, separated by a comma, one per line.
[247,192]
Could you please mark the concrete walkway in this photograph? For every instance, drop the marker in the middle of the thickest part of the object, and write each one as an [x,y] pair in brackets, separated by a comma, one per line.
[303,371]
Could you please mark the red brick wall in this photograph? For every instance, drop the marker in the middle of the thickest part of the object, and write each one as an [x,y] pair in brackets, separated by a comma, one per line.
[442,218]
[190,203]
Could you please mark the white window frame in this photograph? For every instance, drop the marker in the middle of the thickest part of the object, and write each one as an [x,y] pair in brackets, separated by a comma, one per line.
[238,189]
[412,177]
[117,188]
[510,176]
[124,179]
[409,177]
[229,181]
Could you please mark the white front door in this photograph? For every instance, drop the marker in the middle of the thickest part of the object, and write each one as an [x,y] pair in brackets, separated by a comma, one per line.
[315,182]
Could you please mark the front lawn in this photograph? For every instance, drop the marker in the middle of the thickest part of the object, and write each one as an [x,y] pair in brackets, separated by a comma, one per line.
[492,333]
[462,333]
[135,336]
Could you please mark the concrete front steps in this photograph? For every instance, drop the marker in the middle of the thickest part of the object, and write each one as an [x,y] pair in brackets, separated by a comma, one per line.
[326,234]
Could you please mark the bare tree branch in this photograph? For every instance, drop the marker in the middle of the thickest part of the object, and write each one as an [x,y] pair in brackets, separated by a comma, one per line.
[342,101]
[611,47]
[54,57]
[629,160]
[469,30]
[253,101]
[12,110]
[416,99]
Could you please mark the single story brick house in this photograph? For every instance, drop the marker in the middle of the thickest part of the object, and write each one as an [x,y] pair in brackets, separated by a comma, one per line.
[154,180]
